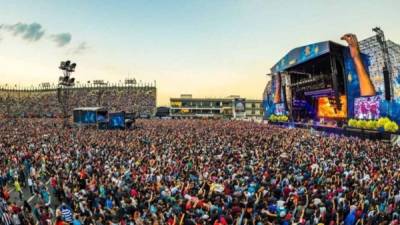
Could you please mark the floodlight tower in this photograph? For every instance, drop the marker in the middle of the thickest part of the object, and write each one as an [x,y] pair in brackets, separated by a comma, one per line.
[65,82]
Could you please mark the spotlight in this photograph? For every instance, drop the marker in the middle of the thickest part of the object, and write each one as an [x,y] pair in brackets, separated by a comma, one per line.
[72,67]
[67,63]
[66,78]
[376,29]
[62,66]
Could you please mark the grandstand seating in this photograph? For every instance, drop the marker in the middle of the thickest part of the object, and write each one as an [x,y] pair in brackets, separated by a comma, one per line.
[42,102]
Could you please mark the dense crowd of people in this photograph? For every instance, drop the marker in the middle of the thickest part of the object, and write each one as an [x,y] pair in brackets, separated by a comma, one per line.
[45,102]
[184,172]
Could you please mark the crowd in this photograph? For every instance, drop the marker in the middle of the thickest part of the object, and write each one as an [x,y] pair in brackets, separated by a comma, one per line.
[189,172]
[45,103]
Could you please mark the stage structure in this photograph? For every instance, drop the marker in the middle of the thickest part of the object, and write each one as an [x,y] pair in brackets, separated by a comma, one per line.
[63,91]
[89,115]
[101,118]
[333,82]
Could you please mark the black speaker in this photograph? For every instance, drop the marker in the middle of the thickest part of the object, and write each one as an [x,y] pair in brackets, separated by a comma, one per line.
[386,81]
[103,125]
[128,123]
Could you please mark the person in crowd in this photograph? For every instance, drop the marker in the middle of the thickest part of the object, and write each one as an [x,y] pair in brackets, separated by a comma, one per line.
[18,188]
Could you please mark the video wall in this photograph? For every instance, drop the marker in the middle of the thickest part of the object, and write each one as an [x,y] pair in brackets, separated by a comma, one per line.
[116,120]
[280,109]
[240,105]
[367,108]
[268,103]
[84,116]
[327,109]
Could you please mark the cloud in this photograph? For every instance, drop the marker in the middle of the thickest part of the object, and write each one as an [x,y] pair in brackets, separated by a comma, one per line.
[34,32]
[30,32]
[81,48]
[61,39]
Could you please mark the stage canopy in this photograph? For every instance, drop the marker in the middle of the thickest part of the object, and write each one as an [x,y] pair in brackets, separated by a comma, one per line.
[302,54]
[91,109]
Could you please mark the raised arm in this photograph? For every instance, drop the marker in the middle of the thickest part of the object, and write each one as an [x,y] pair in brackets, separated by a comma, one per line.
[366,86]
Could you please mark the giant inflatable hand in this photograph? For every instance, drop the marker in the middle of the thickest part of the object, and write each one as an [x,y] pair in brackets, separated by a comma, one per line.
[366,86]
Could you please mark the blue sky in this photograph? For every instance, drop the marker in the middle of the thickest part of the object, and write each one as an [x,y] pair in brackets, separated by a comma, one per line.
[207,48]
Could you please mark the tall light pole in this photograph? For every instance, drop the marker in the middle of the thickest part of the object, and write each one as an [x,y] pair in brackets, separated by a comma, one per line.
[65,82]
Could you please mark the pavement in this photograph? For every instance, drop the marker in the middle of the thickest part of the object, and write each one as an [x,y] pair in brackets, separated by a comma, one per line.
[32,199]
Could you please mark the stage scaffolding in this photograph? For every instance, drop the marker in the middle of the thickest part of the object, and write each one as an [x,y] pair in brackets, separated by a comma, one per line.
[371,47]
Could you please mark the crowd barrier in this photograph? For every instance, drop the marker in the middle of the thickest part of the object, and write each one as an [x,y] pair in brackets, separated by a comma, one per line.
[347,131]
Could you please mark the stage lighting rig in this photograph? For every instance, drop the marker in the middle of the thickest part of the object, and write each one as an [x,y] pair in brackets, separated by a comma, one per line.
[66,80]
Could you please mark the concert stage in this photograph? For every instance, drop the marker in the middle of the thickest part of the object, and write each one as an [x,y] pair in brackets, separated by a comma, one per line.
[309,83]
[329,83]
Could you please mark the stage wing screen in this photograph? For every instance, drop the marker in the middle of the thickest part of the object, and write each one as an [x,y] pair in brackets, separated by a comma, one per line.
[116,120]
[88,117]
[367,107]
[280,109]
[326,108]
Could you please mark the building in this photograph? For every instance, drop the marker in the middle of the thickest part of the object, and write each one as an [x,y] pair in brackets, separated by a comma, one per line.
[230,107]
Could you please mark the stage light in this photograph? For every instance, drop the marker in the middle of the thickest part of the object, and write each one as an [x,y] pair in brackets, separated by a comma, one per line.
[62,65]
[67,63]
[72,67]
[66,78]
[376,29]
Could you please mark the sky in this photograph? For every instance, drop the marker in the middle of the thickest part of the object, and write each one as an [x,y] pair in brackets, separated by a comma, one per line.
[208,48]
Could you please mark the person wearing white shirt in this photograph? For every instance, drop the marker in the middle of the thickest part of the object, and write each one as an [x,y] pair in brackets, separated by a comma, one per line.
[30,184]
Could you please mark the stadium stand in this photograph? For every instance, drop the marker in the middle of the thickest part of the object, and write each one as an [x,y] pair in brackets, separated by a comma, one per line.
[44,102]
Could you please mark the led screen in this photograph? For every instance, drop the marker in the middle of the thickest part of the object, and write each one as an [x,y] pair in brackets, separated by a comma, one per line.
[88,117]
[240,105]
[327,109]
[101,117]
[367,107]
[280,109]
[116,120]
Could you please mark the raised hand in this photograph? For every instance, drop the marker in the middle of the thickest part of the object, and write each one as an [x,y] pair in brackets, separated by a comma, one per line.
[366,86]
[352,41]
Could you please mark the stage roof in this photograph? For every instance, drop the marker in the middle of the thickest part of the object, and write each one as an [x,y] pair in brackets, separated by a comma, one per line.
[302,54]
[90,109]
